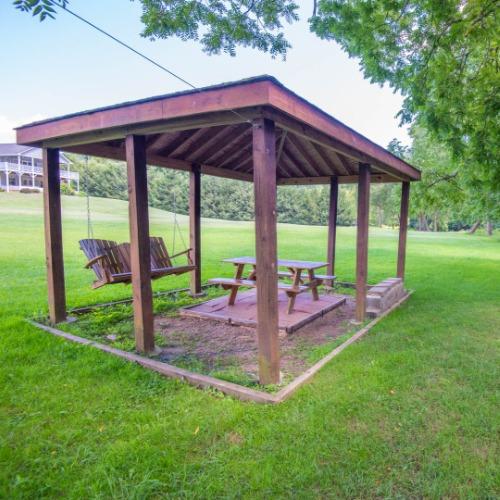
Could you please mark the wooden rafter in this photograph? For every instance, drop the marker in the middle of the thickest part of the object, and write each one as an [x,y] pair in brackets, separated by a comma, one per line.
[171,142]
[182,148]
[307,147]
[280,146]
[208,136]
[234,145]
[293,169]
[331,159]
[218,142]
[299,156]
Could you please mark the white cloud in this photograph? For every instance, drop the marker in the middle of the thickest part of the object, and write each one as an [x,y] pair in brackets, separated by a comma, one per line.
[7,125]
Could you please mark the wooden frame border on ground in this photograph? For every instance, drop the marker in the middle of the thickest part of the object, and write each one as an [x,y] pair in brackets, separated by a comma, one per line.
[205,381]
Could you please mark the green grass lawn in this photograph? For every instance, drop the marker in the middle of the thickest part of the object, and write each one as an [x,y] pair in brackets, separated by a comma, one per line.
[409,411]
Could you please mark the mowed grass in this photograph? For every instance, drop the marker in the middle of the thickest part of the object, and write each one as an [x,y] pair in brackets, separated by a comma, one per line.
[409,411]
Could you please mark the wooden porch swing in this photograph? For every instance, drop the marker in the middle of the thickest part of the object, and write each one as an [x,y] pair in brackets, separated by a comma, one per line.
[111,261]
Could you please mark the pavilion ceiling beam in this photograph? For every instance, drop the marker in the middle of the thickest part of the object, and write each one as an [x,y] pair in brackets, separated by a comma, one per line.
[320,160]
[299,156]
[293,168]
[331,143]
[208,136]
[344,162]
[343,179]
[300,166]
[63,139]
[160,161]
[210,142]
[236,156]
[206,103]
[168,142]
[339,161]
[280,146]
[234,143]
[233,134]
[244,165]
[183,148]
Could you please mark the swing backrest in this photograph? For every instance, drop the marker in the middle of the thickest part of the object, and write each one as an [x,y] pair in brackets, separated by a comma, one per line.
[117,260]
[160,258]
[159,253]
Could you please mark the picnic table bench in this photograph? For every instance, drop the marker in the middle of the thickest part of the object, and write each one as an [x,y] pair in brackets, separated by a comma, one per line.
[295,268]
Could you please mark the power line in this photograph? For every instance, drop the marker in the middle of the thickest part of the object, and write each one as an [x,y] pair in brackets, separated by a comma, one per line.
[117,40]
[135,51]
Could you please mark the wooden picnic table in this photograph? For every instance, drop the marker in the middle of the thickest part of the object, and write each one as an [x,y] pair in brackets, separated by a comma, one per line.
[295,269]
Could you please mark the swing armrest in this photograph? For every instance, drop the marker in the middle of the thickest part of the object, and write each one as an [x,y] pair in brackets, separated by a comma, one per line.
[181,253]
[94,260]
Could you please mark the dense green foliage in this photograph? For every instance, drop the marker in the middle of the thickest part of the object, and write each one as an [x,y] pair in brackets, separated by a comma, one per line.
[443,200]
[411,411]
[447,195]
[221,25]
[442,55]
[221,198]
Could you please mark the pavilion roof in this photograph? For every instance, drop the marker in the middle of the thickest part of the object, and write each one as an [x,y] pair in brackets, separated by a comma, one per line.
[212,127]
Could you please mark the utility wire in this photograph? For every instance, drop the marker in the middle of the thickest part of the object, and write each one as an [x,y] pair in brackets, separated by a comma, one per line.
[117,40]
[135,51]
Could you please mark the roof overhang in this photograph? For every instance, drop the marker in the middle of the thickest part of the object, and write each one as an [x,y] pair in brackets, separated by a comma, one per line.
[212,127]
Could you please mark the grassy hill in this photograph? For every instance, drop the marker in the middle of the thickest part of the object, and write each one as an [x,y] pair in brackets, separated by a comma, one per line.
[410,411]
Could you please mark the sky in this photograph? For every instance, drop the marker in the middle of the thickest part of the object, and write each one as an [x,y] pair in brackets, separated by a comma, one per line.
[57,67]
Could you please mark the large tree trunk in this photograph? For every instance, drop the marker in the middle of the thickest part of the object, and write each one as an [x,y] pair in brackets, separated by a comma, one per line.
[422,222]
[474,227]
[436,222]
[489,228]
[380,217]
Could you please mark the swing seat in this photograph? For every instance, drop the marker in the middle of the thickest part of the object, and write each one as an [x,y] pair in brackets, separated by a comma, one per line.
[110,261]
[161,260]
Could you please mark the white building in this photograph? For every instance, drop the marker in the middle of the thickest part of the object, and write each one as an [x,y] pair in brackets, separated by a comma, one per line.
[21,167]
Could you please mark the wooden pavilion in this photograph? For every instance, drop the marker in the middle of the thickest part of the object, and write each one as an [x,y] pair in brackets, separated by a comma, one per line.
[253,130]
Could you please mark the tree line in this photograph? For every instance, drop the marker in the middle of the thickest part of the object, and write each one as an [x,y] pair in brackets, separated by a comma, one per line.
[444,200]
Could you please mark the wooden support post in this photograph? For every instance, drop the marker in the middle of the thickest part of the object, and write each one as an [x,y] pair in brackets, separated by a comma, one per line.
[362,240]
[264,172]
[403,228]
[140,251]
[332,225]
[195,227]
[53,236]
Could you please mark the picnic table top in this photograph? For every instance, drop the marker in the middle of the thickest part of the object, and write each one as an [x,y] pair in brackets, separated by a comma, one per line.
[292,264]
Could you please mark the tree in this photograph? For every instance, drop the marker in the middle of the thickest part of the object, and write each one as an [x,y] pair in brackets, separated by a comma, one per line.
[442,55]
[446,196]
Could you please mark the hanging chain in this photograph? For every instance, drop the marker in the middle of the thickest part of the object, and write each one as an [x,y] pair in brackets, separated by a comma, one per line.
[90,229]
[177,227]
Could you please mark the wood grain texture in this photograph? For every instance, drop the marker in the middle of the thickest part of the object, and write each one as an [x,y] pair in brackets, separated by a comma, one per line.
[362,240]
[332,225]
[211,107]
[140,254]
[244,310]
[195,227]
[264,172]
[53,236]
[403,228]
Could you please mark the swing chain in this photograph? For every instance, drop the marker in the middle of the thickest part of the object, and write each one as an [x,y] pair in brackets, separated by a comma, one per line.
[177,227]
[90,229]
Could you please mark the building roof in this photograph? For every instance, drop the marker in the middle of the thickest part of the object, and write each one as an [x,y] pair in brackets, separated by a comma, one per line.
[212,127]
[9,149]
